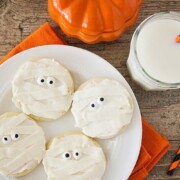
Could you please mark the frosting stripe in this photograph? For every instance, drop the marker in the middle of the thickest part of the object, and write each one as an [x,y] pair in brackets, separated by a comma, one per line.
[26,142]
[24,129]
[22,158]
[75,167]
[12,123]
[92,173]
[98,91]
[39,92]
[8,152]
[59,150]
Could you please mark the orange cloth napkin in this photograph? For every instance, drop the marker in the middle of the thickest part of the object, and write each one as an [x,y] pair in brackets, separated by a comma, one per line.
[154,146]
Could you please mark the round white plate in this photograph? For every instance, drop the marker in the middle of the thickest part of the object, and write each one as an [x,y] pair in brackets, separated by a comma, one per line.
[122,151]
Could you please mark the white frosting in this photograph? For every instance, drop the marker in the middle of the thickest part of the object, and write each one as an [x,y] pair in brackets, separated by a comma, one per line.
[26,151]
[90,164]
[107,117]
[43,99]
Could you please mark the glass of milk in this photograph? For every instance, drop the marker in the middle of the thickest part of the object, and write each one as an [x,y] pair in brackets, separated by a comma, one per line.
[154,58]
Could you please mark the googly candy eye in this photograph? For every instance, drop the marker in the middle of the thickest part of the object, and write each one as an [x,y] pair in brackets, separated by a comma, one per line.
[93,105]
[100,100]
[41,80]
[76,154]
[50,81]
[6,140]
[15,136]
[66,155]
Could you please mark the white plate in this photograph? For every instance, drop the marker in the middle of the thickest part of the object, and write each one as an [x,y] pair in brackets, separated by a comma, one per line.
[122,151]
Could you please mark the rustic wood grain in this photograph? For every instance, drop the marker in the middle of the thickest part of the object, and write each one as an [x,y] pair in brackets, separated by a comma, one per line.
[19,18]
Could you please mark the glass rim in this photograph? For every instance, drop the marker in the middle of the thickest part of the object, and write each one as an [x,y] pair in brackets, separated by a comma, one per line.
[166,15]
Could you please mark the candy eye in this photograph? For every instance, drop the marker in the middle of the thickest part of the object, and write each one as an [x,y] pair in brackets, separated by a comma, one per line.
[15,137]
[100,100]
[66,155]
[41,80]
[50,81]
[76,154]
[6,140]
[92,105]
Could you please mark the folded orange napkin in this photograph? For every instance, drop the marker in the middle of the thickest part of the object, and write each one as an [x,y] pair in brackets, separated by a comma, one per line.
[154,146]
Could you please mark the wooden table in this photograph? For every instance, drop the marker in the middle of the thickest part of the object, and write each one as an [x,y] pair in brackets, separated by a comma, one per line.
[19,18]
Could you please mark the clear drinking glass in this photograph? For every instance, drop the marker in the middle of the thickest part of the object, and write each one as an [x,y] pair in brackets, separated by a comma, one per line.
[137,72]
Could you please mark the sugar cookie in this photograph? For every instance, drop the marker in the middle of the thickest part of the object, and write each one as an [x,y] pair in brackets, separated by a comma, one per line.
[102,108]
[22,144]
[74,156]
[43,89]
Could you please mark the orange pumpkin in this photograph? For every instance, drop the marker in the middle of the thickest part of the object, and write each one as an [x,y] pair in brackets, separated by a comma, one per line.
[94,20]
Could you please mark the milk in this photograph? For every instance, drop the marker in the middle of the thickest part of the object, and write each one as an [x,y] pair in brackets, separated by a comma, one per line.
[154,59]
[158,52]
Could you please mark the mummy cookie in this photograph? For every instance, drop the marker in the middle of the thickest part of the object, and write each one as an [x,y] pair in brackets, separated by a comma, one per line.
[102,108]
[43,89]
[74,156]
[22,144]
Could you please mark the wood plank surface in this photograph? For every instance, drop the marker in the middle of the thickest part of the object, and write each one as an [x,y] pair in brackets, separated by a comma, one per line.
[19,18]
